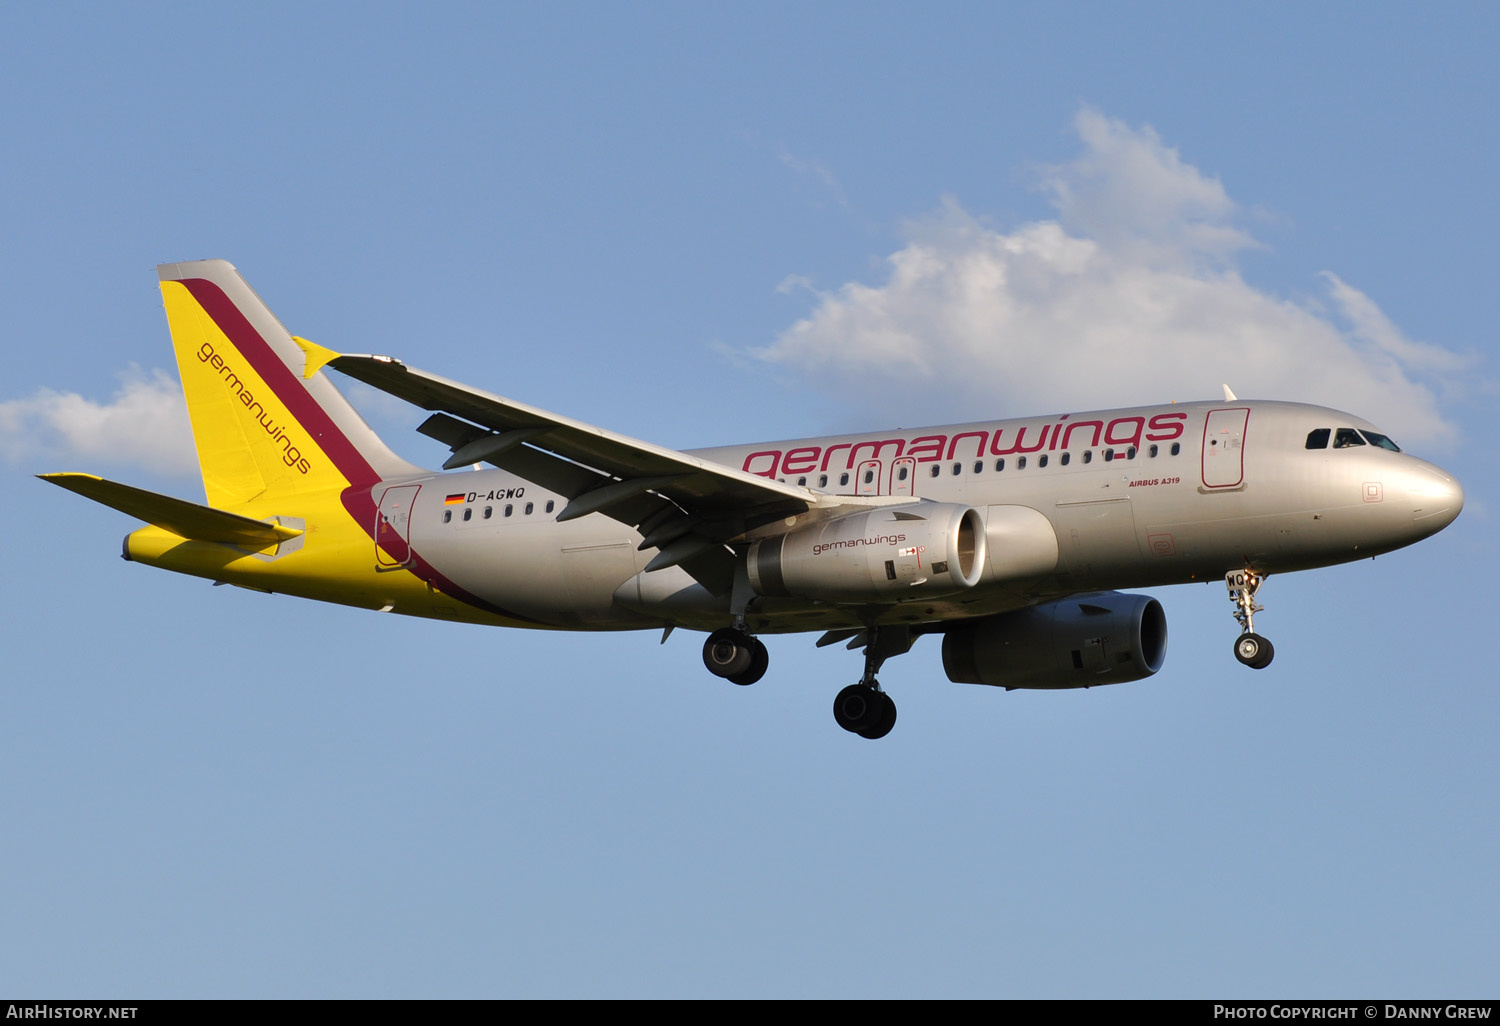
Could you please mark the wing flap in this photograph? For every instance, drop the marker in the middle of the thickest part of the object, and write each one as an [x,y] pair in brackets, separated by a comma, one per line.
[186,519]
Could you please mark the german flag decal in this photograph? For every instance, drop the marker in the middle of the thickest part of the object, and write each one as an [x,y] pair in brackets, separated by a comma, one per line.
[454,500]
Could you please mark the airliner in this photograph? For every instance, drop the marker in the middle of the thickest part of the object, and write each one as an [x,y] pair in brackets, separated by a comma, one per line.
[1009,538]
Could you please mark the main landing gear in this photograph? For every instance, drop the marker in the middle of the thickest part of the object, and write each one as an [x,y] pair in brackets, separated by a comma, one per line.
[1250,648]
[736,655]
[733,652]
[863,708]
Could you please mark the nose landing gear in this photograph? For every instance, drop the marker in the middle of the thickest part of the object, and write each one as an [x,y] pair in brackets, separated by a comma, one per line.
[1250,648]
[1254,651]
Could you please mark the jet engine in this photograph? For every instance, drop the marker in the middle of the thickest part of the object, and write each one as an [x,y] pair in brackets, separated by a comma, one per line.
[1077,642]
[920,550]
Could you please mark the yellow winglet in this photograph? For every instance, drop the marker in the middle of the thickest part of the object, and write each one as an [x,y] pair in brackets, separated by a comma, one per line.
[185,519]
[317,355]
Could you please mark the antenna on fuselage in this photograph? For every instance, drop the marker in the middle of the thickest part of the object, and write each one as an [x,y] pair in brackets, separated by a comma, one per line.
[1230,397]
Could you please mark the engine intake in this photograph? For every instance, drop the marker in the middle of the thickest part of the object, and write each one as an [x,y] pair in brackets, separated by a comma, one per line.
[920,550]
[1078,642]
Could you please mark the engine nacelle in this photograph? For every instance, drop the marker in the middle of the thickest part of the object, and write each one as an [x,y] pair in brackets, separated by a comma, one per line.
[1077,642]
[918,551]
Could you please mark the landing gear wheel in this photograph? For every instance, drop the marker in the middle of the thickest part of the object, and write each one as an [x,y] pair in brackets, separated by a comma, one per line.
[730,653]
[887,719]
[1254,651]
[860,707]
[759,660]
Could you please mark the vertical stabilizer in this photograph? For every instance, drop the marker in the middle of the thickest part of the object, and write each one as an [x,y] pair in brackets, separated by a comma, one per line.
[260,426]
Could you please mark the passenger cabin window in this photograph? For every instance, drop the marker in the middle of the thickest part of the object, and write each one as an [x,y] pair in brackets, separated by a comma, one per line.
[509,510]
[1318,438]
[1176,448]
[1000,464]
[468,513]
[979,466]
[1130,453]
[1041,461]
[1067,458]
[843,480]
[869,476]
[1153,451]
[1088,455]
[802,481]
[823,481]
[1347,438]
[901,474]
[528,509]
[488,512]
[936,470]
[1109,454]
[447,516]
[1021,463]
[958,468]
[549,505]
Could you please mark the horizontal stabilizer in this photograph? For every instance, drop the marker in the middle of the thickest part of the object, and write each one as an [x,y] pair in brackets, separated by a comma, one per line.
[188,519]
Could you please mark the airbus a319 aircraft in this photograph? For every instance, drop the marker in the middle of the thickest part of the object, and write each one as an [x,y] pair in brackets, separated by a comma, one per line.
[1007,538]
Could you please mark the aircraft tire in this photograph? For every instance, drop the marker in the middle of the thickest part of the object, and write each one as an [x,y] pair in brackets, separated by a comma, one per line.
[729,653]
[858,707]
[760,659]
[887,719]
[1254,651]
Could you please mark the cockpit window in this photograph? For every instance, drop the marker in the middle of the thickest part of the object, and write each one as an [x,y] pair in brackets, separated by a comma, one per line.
[1318,439]
[1384,441]
[1347,438]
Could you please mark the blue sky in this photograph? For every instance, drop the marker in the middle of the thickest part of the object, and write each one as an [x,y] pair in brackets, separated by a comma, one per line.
[701,225]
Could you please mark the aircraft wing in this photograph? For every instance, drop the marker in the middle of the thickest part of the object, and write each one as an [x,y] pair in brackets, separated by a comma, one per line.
[598,470]
[693,482]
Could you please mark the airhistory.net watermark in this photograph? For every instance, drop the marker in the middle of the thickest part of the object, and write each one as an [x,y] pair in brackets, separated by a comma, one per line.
[43,1010]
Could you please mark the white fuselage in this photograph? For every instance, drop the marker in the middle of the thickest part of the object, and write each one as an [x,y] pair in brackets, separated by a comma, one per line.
[1078,502]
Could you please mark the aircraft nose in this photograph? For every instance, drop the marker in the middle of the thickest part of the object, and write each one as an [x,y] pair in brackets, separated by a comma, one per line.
[1436,498]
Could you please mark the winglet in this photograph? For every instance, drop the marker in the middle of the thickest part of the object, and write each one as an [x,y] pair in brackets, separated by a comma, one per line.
[317,355]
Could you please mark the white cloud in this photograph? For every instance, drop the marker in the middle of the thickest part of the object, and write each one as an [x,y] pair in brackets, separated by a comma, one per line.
[1134,194]
[145,424]
[1130,296]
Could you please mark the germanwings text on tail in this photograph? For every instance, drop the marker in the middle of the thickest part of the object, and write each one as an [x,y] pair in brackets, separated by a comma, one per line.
[1007,539]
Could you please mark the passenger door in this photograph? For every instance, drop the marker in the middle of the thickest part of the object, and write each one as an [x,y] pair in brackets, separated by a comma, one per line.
[393,527]
[1223,457]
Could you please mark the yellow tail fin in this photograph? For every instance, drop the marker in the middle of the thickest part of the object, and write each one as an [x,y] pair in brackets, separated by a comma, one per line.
[265,421]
